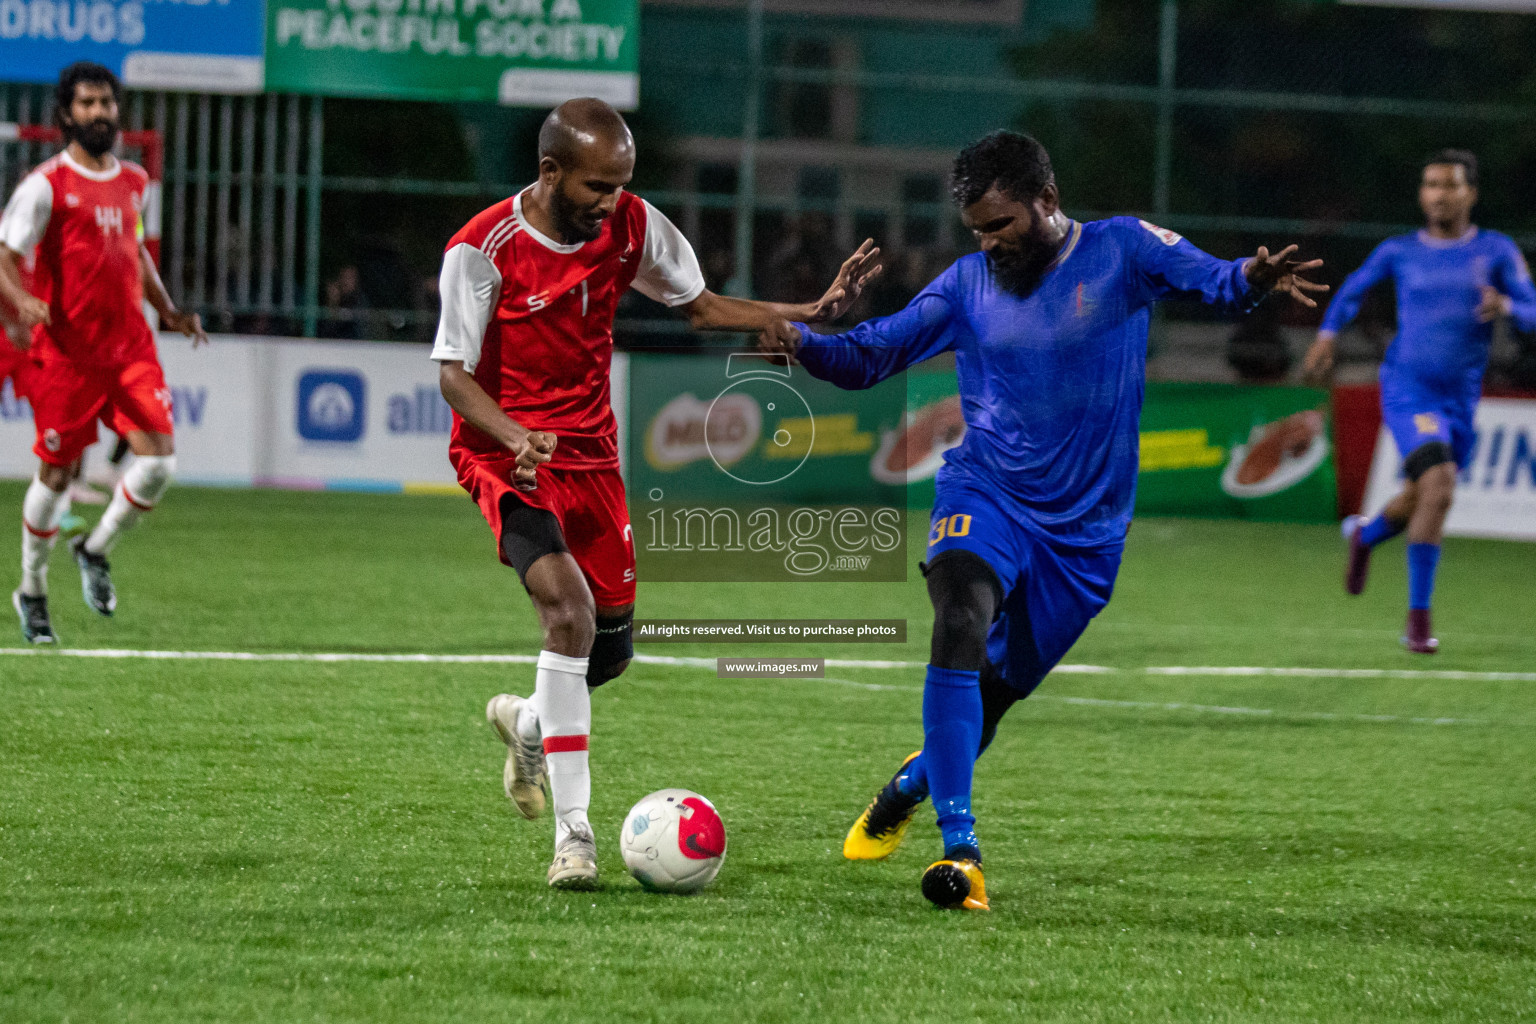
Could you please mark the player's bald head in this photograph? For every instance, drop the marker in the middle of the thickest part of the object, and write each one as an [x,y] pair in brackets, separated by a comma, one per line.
[585,131]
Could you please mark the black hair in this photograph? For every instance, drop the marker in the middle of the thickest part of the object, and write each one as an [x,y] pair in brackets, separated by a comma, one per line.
[1465,157]
[1017,164]
[81,71]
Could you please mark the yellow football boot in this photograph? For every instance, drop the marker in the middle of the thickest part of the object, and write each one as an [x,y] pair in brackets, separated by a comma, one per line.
[884,822]
[955,885]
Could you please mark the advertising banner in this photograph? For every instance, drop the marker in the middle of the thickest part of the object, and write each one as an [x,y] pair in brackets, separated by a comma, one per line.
[740,468]
[1206,450]
[516,52]
[191,45]
[295,414]
[1496,493]
[1241,452]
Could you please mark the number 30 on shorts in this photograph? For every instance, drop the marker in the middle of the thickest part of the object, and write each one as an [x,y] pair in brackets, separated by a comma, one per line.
[957,525]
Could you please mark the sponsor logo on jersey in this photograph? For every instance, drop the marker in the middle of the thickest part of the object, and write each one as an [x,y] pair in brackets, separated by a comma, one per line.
[1167,237]
[71,200]
[332,405]
[537,301]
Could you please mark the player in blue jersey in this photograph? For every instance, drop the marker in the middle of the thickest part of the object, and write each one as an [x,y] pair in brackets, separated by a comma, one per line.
[1048,324]
[1453,281]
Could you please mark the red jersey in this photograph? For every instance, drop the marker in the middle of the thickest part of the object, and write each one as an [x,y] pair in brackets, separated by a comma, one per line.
[532,319]
[85,228]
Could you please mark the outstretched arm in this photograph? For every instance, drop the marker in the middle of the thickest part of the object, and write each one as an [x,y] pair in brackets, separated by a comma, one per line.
[875,349]
[1343,309]
[711,312]
[1170,267]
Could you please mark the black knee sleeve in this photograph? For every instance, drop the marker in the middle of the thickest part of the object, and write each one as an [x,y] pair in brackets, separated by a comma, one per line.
[527,535]
[611,649]
[966,594]
[1426,457]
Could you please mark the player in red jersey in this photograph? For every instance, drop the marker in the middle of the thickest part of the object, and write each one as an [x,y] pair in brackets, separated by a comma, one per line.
[91,352]
[529,290]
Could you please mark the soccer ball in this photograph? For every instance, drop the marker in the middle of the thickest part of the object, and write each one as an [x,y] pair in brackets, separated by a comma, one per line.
[673,841]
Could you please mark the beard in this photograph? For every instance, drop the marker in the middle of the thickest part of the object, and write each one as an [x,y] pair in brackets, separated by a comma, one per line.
[95,137]
[569,221]
[1018,270]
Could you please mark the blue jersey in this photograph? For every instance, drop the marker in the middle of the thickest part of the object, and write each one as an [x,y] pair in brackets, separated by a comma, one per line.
[1051,385]
[1440,350]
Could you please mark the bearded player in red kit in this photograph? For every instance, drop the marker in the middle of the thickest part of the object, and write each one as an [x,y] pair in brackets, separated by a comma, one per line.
[529,291]
[91,354]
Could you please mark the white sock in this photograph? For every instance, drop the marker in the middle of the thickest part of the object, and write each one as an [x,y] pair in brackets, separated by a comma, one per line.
[527,724]
[564,713]
[41,512]
[136,493]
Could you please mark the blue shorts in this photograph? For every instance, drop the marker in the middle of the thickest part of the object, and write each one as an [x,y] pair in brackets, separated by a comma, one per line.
[1050,593]
[1417,420]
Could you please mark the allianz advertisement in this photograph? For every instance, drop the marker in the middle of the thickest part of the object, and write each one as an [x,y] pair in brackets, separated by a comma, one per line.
[296,414]
[516,52]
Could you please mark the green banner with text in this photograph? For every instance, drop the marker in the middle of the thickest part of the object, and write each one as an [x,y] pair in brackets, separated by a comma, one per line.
[1206,449]
[516,52]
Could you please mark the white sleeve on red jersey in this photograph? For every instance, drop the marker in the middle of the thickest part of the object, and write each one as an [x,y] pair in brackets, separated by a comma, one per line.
[26,215]
[669,271]
[468,288]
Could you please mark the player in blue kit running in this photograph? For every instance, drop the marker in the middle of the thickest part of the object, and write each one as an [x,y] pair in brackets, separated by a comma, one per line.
[1453,281]
[1048,324]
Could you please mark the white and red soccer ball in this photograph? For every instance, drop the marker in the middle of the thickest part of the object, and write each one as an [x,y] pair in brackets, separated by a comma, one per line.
[673,841]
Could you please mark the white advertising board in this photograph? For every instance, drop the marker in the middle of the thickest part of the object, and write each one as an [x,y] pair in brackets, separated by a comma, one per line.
[1496,494]
[309,415]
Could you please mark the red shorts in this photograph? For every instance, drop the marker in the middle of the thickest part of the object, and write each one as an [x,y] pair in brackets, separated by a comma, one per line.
[13,366]
[69,400]
[589,505]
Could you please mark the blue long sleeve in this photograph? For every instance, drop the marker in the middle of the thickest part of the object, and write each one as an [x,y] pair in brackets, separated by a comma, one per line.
[1346,304]
[877,349]
[1168,266]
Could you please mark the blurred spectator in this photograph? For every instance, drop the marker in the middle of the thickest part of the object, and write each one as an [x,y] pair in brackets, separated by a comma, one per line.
[426,303]
[345,305]
[804,261]
[1257,349]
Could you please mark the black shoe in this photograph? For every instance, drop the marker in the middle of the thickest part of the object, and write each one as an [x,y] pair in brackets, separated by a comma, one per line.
[95,578]
[33,612]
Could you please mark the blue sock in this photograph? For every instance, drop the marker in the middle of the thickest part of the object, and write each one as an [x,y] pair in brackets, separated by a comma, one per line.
[1379,529]
[1422,561]
[951,732]
[913,780]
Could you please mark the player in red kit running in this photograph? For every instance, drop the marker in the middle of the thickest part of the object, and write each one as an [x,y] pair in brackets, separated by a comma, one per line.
[529,290]
[91,352]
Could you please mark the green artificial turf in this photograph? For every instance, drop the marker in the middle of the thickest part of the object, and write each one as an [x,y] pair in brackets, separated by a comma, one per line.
[301,841]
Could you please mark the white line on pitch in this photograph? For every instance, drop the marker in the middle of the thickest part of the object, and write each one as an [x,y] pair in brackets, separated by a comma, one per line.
[1211,709]
[1341,673]
[341,657]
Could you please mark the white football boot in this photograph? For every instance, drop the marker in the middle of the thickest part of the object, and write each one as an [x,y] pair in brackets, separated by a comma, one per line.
[575,864]
[524,776]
